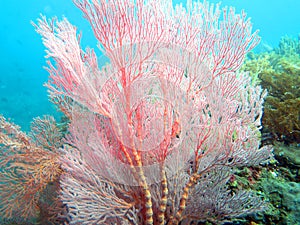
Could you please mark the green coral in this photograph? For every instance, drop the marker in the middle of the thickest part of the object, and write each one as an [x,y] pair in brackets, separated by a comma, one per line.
[284,199]
[278,71]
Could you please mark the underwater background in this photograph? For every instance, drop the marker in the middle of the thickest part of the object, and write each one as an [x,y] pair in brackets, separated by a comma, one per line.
[22,94]
[277,58]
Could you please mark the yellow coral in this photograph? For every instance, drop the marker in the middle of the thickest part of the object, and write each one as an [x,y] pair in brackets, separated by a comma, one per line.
[278,71]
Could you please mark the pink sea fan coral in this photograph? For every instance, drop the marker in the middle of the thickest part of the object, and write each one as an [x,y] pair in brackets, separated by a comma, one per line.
[155,132]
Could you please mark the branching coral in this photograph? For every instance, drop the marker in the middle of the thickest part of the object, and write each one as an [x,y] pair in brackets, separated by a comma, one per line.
[28,165]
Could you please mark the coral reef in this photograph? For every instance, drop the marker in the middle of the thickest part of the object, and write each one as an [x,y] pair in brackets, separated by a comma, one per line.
[278,71]
[155,135]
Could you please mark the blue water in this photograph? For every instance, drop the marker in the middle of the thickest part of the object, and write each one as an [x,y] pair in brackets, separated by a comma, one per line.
[22,95]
